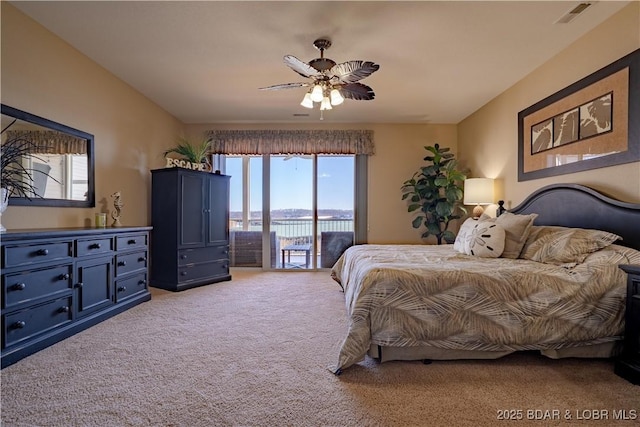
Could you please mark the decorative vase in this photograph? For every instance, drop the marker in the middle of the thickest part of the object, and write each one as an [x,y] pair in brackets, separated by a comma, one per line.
[4,202]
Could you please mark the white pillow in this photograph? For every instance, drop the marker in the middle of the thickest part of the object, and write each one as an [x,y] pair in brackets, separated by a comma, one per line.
[487,240]
[461,243]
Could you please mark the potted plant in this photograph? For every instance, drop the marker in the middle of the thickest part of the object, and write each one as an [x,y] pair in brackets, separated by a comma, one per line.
[197,152]
[435,194]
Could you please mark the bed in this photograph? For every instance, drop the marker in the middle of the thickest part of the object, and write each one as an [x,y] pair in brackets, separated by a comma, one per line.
[555,288]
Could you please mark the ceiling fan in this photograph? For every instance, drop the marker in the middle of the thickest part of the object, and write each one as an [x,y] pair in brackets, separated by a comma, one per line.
[330,83]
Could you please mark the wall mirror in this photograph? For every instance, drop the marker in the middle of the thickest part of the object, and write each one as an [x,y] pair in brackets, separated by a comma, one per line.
[62,166]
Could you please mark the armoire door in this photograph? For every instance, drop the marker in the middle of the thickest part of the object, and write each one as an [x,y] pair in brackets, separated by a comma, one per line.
[193,210]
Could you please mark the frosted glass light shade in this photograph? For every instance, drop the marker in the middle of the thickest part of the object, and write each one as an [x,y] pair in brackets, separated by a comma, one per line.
[317,93]
[326,104]
[336,97]
[306,101]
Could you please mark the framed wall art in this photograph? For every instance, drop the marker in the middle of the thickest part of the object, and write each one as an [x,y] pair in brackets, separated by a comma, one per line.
[590,124]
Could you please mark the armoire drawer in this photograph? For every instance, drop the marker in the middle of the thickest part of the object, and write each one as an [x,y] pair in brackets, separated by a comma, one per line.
[28,285]
[41,252]
[194,256]
[35,320]
[203,271]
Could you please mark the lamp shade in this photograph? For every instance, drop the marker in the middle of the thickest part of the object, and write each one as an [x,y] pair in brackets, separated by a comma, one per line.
[478,191]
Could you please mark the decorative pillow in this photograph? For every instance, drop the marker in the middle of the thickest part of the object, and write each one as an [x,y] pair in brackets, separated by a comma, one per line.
[487,240]
[516,228]
[563,245]
[461,243]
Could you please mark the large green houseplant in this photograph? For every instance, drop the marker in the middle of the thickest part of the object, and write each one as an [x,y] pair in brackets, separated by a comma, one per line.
[435,194]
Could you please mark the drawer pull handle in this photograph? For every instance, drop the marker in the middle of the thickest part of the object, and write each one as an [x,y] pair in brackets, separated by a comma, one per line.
[18,325]
[226,252]
[122,288]
[42,252]
[122,263]
[64,276]
[132,242]
[18,287]
[183,257]
[79,285]
[95,246]
[63,309]
[183,273]
[142,282]
[142,259]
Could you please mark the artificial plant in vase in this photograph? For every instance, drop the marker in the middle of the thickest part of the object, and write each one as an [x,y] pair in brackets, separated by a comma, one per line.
[194,152]
[435,194]
[15,178]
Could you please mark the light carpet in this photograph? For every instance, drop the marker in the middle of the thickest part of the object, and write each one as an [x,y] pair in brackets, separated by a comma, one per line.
[254,352]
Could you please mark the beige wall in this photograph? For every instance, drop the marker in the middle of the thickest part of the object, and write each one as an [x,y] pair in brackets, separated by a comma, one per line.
[487,139]
[131,132]
[45,76]
[399,153]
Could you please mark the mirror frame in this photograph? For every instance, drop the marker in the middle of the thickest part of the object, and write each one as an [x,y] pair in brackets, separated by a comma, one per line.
[90,202]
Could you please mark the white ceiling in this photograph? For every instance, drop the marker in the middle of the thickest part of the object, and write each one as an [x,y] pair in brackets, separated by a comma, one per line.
[203,61]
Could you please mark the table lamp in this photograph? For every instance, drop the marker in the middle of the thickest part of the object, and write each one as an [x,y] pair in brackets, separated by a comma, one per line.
[478,191]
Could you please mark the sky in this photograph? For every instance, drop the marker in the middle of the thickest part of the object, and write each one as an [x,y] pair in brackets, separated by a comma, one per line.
[292,180]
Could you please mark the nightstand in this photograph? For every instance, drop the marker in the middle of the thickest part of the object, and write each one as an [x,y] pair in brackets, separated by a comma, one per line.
[628,365]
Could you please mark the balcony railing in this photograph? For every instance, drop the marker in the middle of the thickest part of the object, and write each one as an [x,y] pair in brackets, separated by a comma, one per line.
[288,232]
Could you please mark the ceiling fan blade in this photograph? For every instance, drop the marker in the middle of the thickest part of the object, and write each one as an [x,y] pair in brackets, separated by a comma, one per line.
[302,68]
[357,91]
[353,71]
[286,86]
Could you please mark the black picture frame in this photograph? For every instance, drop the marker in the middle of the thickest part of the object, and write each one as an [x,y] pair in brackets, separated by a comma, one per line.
[90,200]
[632,154]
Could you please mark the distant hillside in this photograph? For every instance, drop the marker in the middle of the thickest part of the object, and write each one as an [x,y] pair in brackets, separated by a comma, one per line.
[298,213]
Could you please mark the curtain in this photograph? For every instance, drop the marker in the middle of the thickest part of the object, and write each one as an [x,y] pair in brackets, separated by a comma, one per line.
[49,142]
[256,142]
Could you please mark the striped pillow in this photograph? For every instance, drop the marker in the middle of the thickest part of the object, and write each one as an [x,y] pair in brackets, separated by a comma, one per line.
[563,245]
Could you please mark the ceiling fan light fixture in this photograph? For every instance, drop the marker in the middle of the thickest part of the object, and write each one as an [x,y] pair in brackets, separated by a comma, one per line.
[317,93]
[336,97]
[306,101]
[330,83]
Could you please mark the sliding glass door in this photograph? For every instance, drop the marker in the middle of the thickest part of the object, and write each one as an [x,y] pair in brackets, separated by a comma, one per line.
[309,201]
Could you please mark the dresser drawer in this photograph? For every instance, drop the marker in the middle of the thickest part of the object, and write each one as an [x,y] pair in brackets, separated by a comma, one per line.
[25,324]
[94,246]
[126,263]
[194,256]
[203,271]
[28,285]
[37,253]
[132,241]
[130,286]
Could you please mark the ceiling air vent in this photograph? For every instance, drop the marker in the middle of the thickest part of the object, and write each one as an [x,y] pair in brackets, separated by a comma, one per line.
[573,13]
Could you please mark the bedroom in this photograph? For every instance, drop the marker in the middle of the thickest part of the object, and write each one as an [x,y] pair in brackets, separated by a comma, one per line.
[132,131]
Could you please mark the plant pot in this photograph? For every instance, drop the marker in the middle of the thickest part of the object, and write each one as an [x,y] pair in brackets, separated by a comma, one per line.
[4,202]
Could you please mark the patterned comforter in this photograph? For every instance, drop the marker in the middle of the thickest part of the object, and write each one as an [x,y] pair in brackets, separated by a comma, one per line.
[416,295]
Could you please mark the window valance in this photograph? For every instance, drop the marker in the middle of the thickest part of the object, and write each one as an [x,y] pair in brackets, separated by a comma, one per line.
[257,142]
[50,142]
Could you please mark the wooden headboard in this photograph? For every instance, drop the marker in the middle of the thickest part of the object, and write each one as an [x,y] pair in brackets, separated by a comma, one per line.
[574,205]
